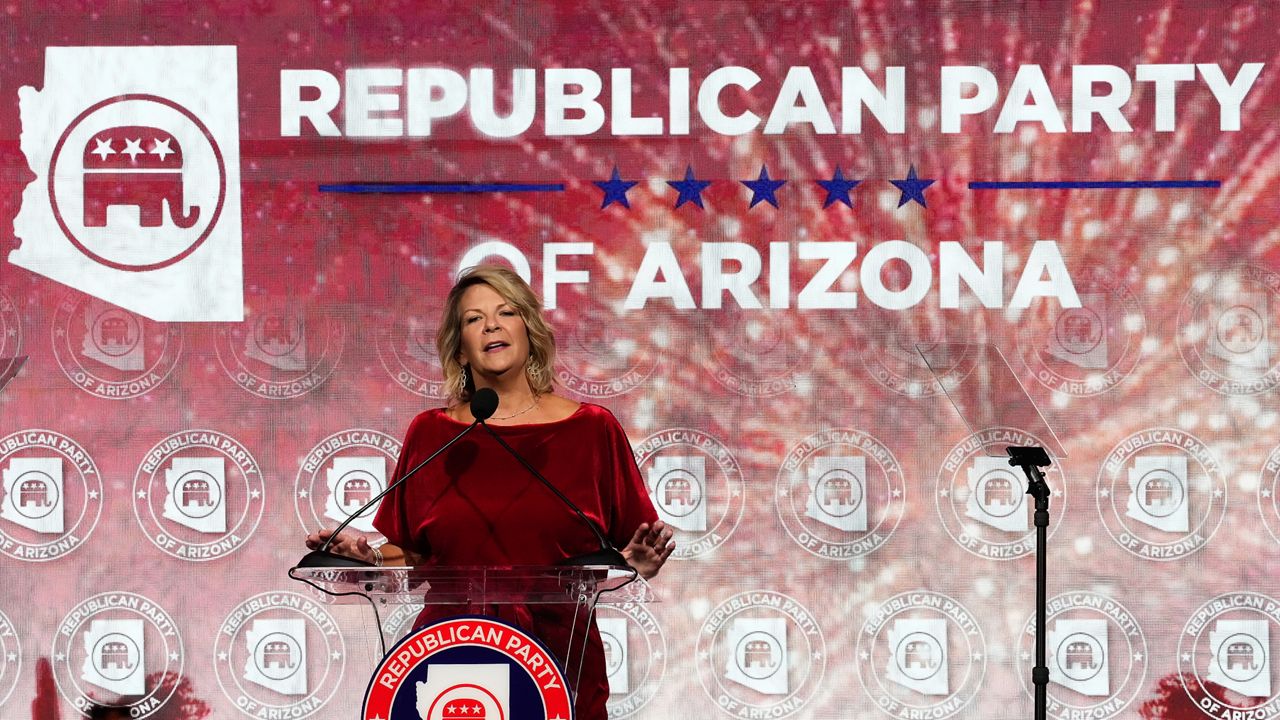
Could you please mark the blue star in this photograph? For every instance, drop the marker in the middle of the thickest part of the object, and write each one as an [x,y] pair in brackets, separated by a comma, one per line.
[763,187]
[912,188]
[615,190]
[838,189]
[690,188]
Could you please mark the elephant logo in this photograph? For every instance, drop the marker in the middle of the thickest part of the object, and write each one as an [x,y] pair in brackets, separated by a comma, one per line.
[135,166]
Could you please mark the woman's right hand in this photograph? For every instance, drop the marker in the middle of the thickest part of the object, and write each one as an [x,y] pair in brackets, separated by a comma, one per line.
[349,544]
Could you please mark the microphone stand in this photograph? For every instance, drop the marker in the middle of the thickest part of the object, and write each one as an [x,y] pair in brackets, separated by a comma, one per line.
[1031,459]
[607,554]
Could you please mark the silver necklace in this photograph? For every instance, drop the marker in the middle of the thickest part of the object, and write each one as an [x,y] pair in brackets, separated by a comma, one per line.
[532,405]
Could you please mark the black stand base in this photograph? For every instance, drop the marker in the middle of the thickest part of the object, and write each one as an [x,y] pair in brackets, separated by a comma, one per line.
[322,558]
[604,556]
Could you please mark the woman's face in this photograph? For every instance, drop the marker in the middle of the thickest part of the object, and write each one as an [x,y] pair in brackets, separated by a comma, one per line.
[494,337]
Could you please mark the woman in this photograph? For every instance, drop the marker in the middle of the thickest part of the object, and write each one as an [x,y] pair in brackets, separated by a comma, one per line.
[475,505]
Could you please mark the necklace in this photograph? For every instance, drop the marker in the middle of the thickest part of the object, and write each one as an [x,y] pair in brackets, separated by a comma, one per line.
[532,405]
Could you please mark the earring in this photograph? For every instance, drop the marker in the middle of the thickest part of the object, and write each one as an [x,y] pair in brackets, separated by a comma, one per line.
[464,377]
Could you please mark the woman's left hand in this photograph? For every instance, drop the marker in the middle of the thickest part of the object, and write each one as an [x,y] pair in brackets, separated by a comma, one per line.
[649,548]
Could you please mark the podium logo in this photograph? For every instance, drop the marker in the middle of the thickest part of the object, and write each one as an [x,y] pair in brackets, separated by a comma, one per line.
[10,658]
[1096,653]
[840,494]
[121,643]
[198,495]
[696,485]
[136,199]
[996,495]
[1226,330]
[407,351]
[751,353]
[51,495]
[342,473]
[982,501]
[111,353]
[1226,646]
[911,647]
[635,656]
[281,351]
[279,654]
[607,354]
[1161,494]
[761,654]
[467,667]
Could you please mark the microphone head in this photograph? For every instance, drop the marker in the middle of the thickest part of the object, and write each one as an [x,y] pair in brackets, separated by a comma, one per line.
[484,403]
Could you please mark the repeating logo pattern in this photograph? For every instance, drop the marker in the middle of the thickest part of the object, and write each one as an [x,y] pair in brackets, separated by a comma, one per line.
[1227,330]
[635,652]
[606,354]
[983,501]
[696,485]
[1161,494]
[1224,655]
[1096,653]
[921,654]
[840,493]
[112,353]
[897,364]
[1268,487]
[342,473]
[120,644]
[407,351]
[279,654]
[10,337]
[1090,349]
[753,354]
[282,351]
[10,658]
[761,654]
[52,495]
[198,495]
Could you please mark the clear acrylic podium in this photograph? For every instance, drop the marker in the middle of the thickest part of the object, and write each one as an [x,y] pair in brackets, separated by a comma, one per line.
[577,590]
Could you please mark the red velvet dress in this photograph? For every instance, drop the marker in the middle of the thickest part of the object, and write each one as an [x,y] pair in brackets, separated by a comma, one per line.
[475,505]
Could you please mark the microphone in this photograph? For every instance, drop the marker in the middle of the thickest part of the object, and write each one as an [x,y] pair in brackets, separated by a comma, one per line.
[607,554]
[484,402]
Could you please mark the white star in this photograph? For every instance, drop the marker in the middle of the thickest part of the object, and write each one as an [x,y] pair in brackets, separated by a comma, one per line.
[302,493]
[161,148]
[735,492]
[1137,657]
[817,656]
[657,655]
[173,657]
[255,494]
[1186,657]
[1104,493]
[12,657]
[336,655]
[378,717]
[142,494]
[782,493]
[476,709]
[704,655]
[1217,492]
[977,656]
[1057,493]
[103,148]
[222,657]
[945,492]
[897,492]
[12,333]
[865,655]
[132,148]
[93,494]
[1266,493]
[59,657]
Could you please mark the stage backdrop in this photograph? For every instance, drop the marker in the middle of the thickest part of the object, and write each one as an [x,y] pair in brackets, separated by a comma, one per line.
[744,217]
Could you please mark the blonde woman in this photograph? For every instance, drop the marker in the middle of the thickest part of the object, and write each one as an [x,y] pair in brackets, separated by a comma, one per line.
[475,505]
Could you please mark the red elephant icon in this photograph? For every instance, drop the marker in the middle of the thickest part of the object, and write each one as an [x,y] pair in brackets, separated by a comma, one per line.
[135,166]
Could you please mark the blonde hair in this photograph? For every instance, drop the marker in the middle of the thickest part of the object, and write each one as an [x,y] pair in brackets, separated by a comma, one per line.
[517,293]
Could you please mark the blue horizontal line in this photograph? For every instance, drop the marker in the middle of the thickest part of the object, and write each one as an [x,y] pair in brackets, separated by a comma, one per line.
[1093,184]
[442,187]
